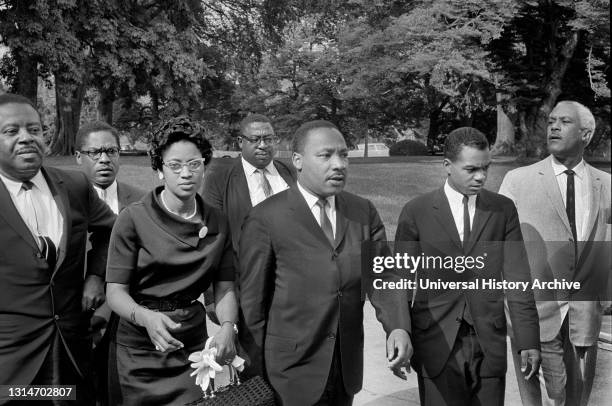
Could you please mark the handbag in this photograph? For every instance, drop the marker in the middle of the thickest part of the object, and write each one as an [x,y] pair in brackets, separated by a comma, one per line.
[253,392]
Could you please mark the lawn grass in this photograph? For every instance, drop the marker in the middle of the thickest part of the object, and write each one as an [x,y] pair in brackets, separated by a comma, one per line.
[388,184]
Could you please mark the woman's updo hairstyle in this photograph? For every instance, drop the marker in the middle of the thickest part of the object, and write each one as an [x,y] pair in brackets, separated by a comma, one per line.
[174,130]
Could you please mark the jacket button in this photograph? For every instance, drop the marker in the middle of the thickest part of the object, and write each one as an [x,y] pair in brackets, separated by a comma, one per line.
[56,317]
[37,254]
[331,336]
[340,293]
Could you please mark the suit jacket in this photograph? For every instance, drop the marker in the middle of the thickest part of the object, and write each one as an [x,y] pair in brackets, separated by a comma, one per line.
[428,224]
[39,304]
[225,187]
[546,229]
[300,294]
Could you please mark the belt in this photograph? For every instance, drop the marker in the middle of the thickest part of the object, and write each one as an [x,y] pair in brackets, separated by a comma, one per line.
[166,305]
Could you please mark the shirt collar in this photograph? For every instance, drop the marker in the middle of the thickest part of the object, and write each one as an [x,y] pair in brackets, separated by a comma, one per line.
[15,186]
[559,168]
[250,169]
[110,191]
[455,197]
[312,200]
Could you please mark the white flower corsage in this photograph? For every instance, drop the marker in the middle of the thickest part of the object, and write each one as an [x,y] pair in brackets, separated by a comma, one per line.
[206,368]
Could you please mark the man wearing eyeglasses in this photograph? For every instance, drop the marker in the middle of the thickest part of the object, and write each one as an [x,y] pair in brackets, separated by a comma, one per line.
[98,155]
[236,188]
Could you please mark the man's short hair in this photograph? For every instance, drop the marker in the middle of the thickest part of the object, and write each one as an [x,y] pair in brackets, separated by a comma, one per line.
[587,120]
[92,127]
[463,137]
[12,98]
[299,138]
[253,118]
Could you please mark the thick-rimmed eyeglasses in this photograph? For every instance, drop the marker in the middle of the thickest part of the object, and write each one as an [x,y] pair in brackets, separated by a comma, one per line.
[193,166]
[95,154]
[268,140]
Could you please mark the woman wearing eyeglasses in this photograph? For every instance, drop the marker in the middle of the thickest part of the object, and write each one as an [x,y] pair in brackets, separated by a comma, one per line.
[165,251]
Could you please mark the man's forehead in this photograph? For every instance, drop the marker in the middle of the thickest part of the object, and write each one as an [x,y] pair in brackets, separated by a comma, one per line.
[564,110]
[100,138]
[10,111]
[259,129]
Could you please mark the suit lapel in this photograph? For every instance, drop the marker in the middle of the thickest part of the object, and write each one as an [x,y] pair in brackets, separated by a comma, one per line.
[240,189]
[548,182]
[60,195]
[442,213]
[481,217]
[341,220]
[10,214]
[123,196]
[594,204]
[284,173]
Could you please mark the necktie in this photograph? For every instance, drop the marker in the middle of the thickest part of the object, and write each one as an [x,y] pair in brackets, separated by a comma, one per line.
[105,196]
[466,220]
[264,183]
[570,204]
[324,221]
[46,245]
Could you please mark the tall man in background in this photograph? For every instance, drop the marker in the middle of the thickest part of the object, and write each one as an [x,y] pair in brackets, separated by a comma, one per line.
[459,335]
[237,187]
[98,155]
[300,276]
[45,215]
[564,208]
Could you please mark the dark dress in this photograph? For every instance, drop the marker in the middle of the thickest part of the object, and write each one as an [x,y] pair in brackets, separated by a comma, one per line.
[162,257]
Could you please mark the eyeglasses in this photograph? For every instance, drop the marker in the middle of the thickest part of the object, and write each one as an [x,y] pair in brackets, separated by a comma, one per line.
[95,154]
[268,140]
[193,166]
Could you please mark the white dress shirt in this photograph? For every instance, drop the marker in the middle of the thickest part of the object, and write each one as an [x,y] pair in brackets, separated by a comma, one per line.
[109,195]
[47,220]
[330,209]
[256,192]
[582,190]
[455,201]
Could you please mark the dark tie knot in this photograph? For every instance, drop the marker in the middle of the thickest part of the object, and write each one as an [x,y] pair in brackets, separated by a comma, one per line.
[322,203]
[27,185]
[466,198]
[569,172]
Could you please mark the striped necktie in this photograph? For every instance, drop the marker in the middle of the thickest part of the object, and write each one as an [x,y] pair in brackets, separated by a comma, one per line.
[45,244]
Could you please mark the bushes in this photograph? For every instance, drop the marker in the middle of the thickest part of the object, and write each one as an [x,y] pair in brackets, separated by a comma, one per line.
[408,147]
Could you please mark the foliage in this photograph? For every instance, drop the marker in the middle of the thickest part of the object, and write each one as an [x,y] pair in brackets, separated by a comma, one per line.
[408,147]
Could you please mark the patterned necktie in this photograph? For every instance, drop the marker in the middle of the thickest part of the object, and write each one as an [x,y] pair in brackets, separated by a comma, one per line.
[324,221]
[45,244]
[466,220]
[264,183]
[105,196]
[570,202]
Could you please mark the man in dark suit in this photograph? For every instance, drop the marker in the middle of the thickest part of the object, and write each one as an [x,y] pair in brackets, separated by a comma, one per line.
[300,273]
[45,214]
[97,153]
[236,188]
[459,335]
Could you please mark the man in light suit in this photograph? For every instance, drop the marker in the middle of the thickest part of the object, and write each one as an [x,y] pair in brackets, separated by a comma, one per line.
[564,209]
[45,215]
[300,273]
[459,334]
[97,153]
[236,188]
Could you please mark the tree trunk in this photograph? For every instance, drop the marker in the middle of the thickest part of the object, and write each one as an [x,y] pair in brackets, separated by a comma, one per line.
[105,105]
[552,90]
[68,102]
[505,140]
[26,83]
[434,125]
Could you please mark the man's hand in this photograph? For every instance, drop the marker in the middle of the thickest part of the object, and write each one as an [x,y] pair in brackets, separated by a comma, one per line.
[530,362]
[93,293]
[399,352]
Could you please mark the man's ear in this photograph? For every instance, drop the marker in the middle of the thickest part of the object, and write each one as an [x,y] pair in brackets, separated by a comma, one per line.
[79,158]
[446,163]
[296,159]
[586,136]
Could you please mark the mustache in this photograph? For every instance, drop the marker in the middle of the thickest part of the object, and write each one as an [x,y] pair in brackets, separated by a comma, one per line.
[35,148]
